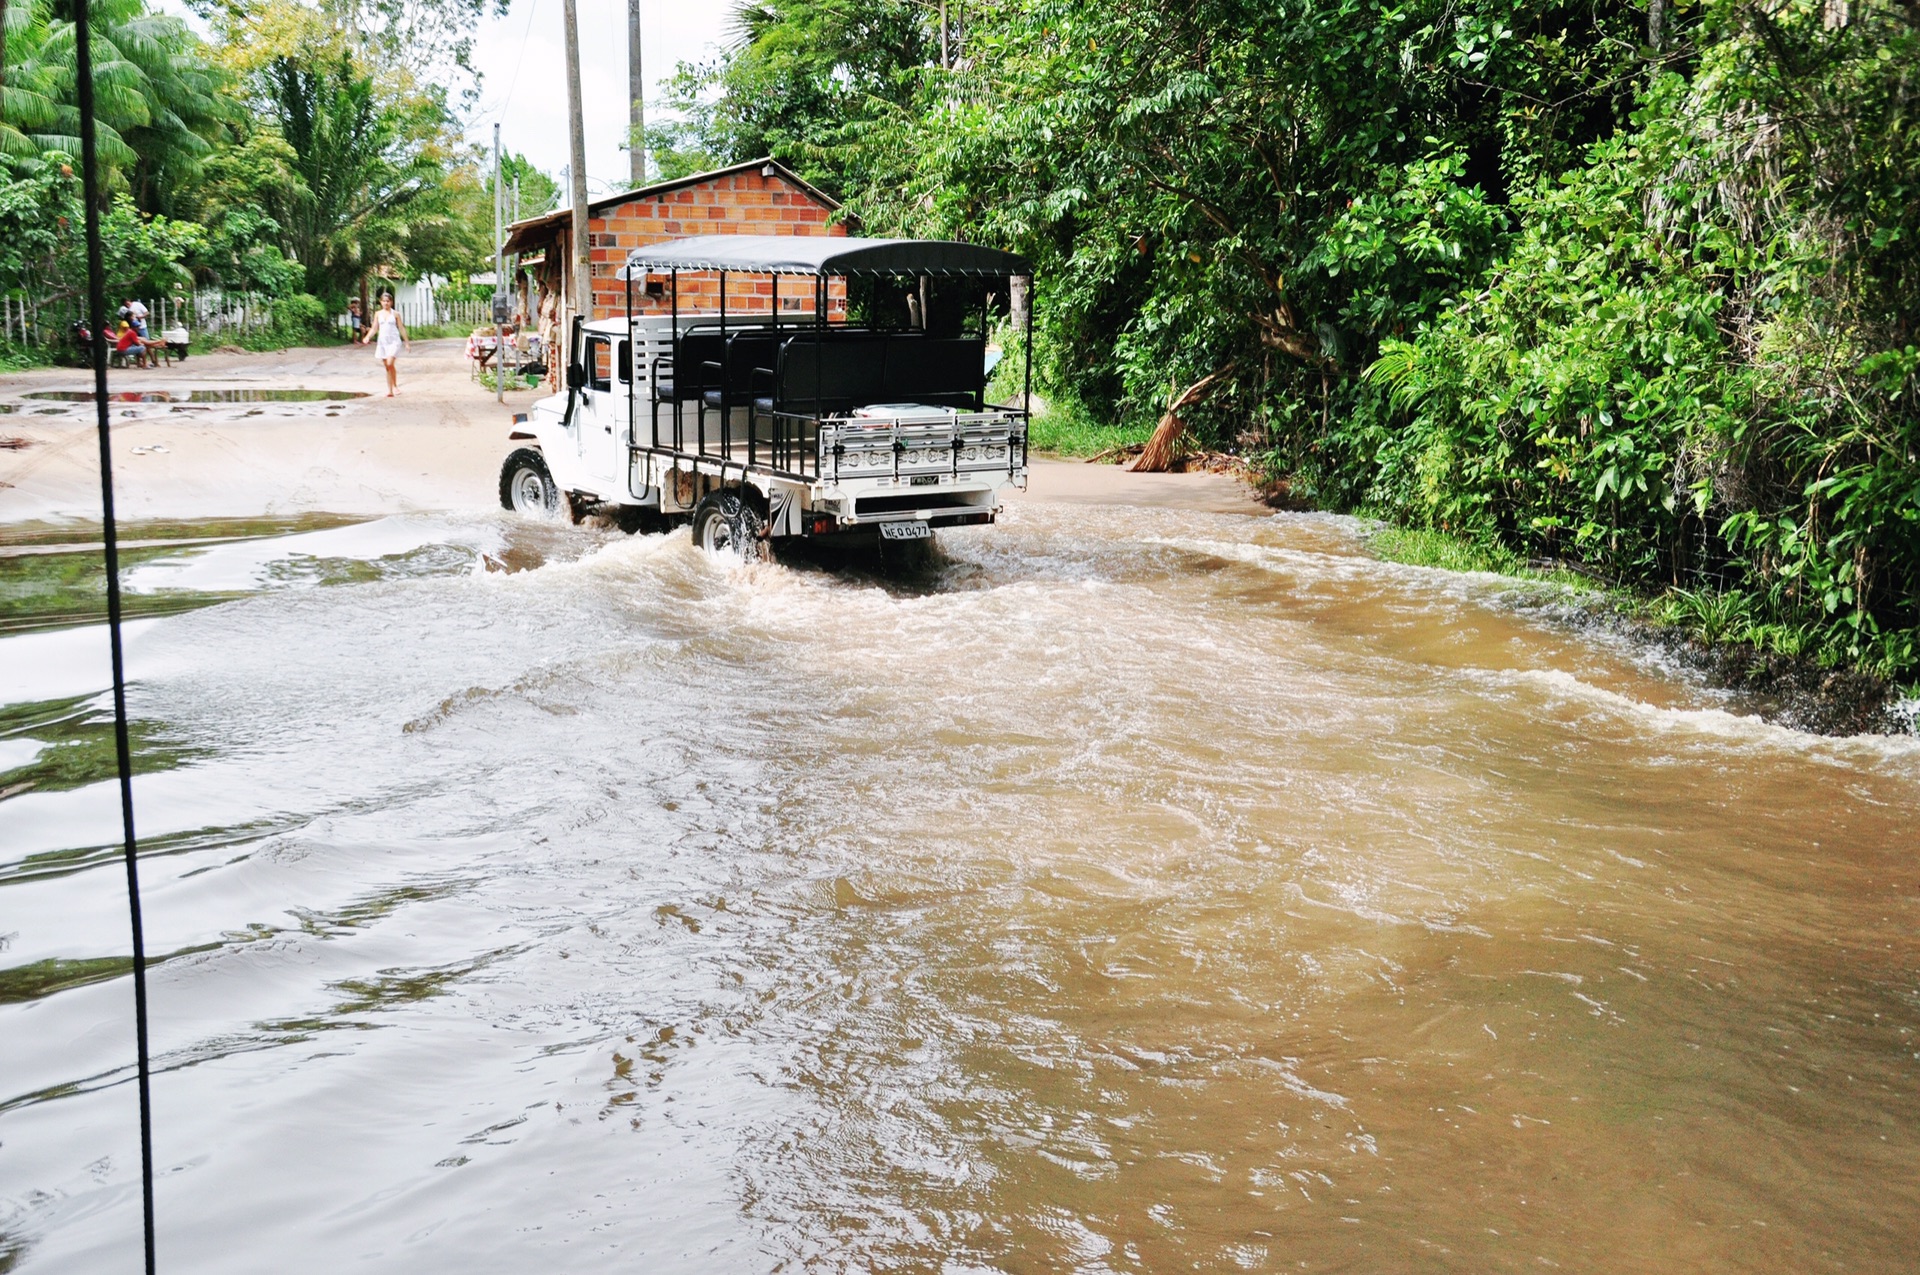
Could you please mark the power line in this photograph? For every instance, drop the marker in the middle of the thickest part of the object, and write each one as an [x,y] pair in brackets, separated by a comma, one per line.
[123,749]
[512,83]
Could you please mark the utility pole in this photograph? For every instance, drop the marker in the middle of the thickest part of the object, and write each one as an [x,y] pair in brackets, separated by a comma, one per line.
[499,283]
[637,92]
[577,131]
[520,312]
[946,61]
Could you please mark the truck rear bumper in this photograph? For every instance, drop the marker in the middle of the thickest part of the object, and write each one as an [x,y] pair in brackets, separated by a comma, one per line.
[842,511]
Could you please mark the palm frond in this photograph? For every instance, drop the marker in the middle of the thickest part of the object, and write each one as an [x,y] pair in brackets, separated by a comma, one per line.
[1398,371]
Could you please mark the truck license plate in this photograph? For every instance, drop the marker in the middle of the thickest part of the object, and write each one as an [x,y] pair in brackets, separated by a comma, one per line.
[905,531]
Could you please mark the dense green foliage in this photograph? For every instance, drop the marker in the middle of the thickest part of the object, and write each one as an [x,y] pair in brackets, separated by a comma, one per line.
[40,219]
[1634,288]
[1695,362]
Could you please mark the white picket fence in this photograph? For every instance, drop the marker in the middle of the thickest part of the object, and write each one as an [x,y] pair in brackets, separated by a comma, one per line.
[419,314]
[202,312]
[206,312]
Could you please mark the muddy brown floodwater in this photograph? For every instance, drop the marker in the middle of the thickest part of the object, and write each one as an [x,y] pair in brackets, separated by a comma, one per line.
[1140,890]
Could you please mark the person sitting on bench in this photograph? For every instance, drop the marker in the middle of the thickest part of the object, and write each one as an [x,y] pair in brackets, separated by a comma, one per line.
[130,346]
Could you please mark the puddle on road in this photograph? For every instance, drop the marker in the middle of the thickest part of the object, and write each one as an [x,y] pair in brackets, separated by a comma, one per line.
[202,396]
[61,588]
[53,576]
[78,534]
[56,745]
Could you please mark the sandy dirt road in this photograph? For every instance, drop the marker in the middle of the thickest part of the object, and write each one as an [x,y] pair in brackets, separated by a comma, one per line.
[436,446]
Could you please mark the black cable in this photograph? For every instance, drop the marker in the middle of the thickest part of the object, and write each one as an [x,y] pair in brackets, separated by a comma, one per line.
[97,348]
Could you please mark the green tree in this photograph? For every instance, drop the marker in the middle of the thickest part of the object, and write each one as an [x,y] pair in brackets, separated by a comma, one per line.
[431,38]
[161,104]
[41,241]
[530,192]
[804,80]
[1255,187]
[377,160]
[232,197]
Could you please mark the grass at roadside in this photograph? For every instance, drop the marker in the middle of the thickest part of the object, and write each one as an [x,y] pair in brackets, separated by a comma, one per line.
[1420,547]
[266,340]
[52,574]
[516,383]
[1710,617]
[57,590]
[1060,426]
[1064,429]
[18,358]
[77,746]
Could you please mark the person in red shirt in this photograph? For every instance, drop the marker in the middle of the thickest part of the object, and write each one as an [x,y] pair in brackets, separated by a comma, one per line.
[128,342]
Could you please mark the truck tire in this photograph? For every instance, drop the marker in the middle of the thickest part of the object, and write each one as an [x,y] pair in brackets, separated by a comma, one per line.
[724,523]
[526,486]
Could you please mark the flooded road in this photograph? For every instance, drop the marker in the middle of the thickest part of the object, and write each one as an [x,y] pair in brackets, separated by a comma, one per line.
[1141,890]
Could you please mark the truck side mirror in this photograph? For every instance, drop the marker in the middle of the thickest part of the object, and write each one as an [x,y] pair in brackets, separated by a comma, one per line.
[576,376]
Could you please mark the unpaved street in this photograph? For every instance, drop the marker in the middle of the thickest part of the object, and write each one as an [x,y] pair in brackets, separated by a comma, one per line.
[436,446]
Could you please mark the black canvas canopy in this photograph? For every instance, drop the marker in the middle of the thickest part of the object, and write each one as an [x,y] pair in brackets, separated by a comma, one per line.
[823,255]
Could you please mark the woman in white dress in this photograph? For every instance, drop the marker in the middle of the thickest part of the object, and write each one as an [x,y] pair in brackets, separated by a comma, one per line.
[389,334]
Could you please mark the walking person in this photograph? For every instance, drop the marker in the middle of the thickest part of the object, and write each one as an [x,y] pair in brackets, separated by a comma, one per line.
[389,334]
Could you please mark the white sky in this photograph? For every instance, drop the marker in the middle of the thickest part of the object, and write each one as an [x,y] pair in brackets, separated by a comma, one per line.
[521,58]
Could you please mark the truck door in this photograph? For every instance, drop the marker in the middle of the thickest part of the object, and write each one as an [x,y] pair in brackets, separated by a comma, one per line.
[602,414]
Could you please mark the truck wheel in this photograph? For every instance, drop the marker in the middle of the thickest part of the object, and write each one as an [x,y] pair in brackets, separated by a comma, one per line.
[526,487]
[724,523]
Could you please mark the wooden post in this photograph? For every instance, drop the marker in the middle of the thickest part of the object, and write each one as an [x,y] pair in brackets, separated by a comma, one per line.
[499,328]
[637,96]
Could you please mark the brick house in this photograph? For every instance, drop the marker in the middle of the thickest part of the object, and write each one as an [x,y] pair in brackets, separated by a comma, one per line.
[762,197]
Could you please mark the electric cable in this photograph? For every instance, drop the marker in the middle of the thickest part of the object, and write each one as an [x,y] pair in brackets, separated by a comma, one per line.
[123,751]
[507,102]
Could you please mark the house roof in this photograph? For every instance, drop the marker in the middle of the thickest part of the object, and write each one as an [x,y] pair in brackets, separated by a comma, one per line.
[817,255]
[541,229]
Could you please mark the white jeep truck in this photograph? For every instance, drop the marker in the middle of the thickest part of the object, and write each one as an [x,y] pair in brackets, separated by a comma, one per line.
[863,415]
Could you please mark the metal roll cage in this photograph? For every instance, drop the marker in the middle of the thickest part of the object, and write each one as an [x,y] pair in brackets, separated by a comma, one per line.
[782,447]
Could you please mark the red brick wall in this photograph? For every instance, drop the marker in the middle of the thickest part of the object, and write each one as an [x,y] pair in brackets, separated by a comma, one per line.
[739,204]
